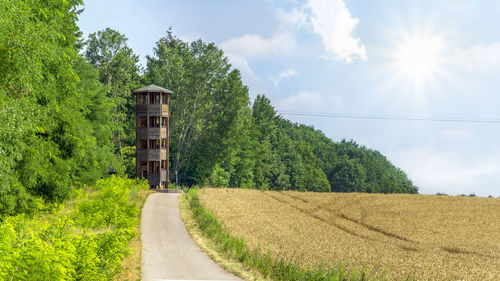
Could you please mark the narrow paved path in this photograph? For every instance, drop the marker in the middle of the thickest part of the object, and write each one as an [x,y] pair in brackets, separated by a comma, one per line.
[168,252]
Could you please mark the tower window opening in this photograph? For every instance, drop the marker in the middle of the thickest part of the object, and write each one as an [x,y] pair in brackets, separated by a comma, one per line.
[154,144]
[143,122]
[141,99]
[154,121]
[143,144]
[154,98]
[154,167]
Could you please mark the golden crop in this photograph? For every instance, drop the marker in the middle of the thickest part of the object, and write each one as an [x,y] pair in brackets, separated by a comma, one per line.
[425,236]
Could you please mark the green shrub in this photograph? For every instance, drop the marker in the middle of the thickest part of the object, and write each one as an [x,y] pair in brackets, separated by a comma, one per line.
[87,242]
[219,177]
[109,205]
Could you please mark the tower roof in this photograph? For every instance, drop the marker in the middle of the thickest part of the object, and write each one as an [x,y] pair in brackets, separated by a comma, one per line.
[152,88]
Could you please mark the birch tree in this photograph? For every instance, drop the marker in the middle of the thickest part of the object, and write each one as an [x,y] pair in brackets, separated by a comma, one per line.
[206,105]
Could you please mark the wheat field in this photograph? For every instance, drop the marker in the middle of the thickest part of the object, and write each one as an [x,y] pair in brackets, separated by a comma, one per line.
[398,235]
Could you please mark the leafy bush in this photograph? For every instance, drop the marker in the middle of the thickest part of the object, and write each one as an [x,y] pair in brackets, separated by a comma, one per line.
[109,205]
[219,177]
[87,242]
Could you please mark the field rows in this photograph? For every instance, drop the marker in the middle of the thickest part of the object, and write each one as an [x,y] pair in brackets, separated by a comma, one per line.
[429,237]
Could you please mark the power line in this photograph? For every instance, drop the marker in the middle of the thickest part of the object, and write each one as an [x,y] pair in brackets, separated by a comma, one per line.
[392,117]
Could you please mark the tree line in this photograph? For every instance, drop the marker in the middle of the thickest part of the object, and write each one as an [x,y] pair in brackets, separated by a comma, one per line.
[67,115]
[219,138]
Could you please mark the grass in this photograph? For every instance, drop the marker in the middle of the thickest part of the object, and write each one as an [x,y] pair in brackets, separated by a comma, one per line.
[265,263]
[210,247]
[133,263]
[394,236]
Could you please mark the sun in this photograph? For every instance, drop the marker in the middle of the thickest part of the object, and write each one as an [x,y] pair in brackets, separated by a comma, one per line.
[414,66]
[417,58]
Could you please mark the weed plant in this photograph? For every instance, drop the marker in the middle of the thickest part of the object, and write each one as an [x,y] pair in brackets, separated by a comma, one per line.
[86,241]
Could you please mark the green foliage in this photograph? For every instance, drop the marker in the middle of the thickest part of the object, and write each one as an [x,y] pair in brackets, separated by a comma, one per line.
[53,131]
[118,72]
[219,177]
[208,106]
[72,245]
[36,250]
[349,175]
[275,268]
[109,205]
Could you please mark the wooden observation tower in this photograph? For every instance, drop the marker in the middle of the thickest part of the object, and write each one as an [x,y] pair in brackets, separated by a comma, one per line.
[152,130]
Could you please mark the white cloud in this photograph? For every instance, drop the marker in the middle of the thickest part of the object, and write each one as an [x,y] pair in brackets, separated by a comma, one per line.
[333,22]
[293,19]
[241,49]
[456,134]
[306,101]
[240,62]
[189,37]
[253,45]
[481,57]
[282,75]
[434,170]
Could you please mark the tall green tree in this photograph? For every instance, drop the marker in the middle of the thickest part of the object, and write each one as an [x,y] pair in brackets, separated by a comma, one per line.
[241,164]
[270,171]
[119,72]
[349,176]
[47,136]
[208,102]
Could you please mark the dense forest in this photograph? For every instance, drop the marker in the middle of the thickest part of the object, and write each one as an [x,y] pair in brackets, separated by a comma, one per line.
[67,116]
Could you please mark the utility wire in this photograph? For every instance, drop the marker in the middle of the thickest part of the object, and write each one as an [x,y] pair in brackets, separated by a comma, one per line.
[392,117]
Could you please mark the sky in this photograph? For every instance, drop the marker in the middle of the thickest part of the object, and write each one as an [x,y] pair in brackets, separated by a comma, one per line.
[417,80]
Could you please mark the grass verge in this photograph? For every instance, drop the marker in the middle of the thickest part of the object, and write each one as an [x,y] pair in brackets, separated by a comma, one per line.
[209,246]
[253,264]
[133,263]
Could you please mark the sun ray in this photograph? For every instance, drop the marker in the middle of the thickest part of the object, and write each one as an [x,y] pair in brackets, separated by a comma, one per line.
[418,57]
[415,65]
